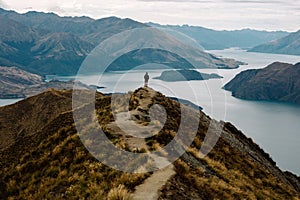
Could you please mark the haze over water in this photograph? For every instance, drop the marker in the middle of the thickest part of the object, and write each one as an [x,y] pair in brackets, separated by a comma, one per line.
[274,126]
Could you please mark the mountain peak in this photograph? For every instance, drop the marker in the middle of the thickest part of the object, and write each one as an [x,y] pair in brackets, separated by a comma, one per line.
[36,13]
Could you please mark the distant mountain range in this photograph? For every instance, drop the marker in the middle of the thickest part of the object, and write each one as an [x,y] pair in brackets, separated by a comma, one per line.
[88,29]
[212,40]
[286,45]
[276,82]
[48,44]
[45,43]
[151,45]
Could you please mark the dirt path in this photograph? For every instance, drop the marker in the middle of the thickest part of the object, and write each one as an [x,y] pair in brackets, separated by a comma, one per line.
[150,189]
[134,135]
[133,132]
[135,138]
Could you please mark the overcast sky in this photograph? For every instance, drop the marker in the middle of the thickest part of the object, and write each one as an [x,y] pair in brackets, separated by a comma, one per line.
[216,14]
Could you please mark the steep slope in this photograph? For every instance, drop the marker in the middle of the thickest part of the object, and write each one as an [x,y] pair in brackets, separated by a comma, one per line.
[15,42]
[151,45]
[276,82]
[91,30]
[44,158]
[27,117]
[35,51]
[58,53]
[15,33]
[17,83]
[45,43]
[212,39]
[49,22]
[58,45]
[13,80]
[138,57]
[101,29]
[286,45]
[54,164]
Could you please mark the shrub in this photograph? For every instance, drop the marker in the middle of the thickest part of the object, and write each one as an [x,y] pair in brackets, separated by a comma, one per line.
[119,193]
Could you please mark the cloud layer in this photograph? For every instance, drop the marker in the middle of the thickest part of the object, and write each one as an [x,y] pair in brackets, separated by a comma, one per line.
[217,14]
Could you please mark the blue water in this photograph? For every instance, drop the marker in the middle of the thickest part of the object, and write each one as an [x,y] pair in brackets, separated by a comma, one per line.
[274,126]
[4,102]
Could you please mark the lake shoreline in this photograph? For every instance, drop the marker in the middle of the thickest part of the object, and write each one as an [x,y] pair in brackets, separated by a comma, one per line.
[272,125]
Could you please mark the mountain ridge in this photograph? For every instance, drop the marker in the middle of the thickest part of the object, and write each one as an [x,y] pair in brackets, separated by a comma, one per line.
[87,33]
[217,40]
[46,159]
[65,41]
[287,45]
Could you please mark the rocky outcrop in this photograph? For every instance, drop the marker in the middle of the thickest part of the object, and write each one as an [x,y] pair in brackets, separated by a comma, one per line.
[276,82]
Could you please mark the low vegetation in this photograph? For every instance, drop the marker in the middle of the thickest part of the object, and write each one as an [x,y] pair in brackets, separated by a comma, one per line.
[49,161]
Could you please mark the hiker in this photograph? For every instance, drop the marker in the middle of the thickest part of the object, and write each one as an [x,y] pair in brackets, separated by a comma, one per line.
[146,77]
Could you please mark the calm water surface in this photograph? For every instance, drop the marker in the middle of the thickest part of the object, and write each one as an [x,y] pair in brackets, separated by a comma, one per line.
[274,126]
[4,102]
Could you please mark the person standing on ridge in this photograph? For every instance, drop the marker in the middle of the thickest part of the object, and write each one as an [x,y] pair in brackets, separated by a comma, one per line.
[146,77]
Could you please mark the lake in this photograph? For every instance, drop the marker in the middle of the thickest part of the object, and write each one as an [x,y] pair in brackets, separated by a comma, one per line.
[4,102]
[274,126]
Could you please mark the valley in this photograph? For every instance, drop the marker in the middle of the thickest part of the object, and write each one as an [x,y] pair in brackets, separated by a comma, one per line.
[217,119]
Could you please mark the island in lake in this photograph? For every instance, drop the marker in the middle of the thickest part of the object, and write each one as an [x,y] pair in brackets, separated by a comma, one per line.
[185,75]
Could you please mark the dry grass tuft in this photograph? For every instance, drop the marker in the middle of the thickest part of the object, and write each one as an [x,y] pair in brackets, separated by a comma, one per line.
[119,193]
